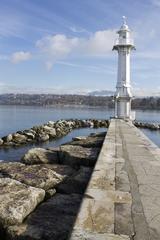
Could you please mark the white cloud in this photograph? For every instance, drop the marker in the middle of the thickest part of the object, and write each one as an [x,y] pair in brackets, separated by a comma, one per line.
[21,56]
[58,47]
[101,42]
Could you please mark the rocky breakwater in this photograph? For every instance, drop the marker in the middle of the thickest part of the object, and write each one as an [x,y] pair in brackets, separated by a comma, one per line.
[40,196]
[151,126]
[49,131]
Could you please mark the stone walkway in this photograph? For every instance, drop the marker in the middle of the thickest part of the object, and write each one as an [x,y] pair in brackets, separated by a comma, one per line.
[122,200]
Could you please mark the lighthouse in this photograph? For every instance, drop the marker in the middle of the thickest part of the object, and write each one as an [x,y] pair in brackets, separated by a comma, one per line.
[123,96]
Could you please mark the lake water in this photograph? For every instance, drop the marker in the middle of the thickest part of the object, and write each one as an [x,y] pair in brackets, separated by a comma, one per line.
[14,118]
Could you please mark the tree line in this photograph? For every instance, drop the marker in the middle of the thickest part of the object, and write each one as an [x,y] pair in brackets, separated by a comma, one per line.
[152,103]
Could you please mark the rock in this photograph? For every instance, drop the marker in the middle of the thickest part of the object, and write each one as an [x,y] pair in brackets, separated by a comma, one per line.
[35,175]
[89,142]
[19,138]
[42,137]
[52,220]
[99,134]
[50,131]
[77,155]
[96,123]
[1,142]
[79,138]
[7,138]
[76,183]
[60,169]
[9,144]
[51,124]
[17,201]
[50,193]
[71,124]
[41,155]
[29,135]
[151,126]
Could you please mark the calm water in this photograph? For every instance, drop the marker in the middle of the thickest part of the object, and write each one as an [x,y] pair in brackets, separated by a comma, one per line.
[14,118]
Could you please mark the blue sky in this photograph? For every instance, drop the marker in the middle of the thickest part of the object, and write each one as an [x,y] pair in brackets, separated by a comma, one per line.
[65,46]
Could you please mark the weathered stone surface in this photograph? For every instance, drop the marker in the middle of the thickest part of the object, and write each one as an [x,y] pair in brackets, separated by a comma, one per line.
[61,169]
[40,155]
[89,142]
[50,193]
[51,123]
[17,201]
[52,220]
[85,235]
[142,164]
[99,134]
[42,137]
[7,138]
[76,183]
[123,219]
[34,175]
[50,131]
[19,138]
[77,155]
[29,134]
[79,138]
[1,141]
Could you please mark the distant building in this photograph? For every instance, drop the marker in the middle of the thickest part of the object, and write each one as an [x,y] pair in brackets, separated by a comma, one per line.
[123,96]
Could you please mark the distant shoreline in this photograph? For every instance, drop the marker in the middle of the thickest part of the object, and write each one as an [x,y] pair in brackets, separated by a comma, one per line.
[74,106]
[58,105]
[75,101]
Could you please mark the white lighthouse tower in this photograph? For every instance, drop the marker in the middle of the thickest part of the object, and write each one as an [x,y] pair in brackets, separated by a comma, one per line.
[124,44]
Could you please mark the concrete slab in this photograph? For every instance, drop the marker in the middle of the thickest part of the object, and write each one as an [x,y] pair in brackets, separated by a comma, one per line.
[142,162]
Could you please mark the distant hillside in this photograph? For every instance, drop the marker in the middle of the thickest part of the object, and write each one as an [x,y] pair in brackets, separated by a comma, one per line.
[51,99]
[151,103]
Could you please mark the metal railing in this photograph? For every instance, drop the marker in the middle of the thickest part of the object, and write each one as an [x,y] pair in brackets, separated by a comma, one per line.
[127,41]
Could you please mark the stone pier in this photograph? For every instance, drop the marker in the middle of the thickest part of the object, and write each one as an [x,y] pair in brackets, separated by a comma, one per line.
[122,200]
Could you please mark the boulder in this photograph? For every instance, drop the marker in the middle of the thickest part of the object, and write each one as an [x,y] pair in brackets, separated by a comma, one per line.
[7,138]
[50,131]
[76,183]
[1,142]
[77,155]
[98,134]
[42,137]
[52,220]
[29,134]
[19,138]
[89,142]
[41,155]
[79,138]
[51,124]
[60,169]
[35,175]
[50,193]
[17,201]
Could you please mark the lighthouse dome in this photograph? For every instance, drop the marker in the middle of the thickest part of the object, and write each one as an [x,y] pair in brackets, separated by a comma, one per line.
[124,27]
